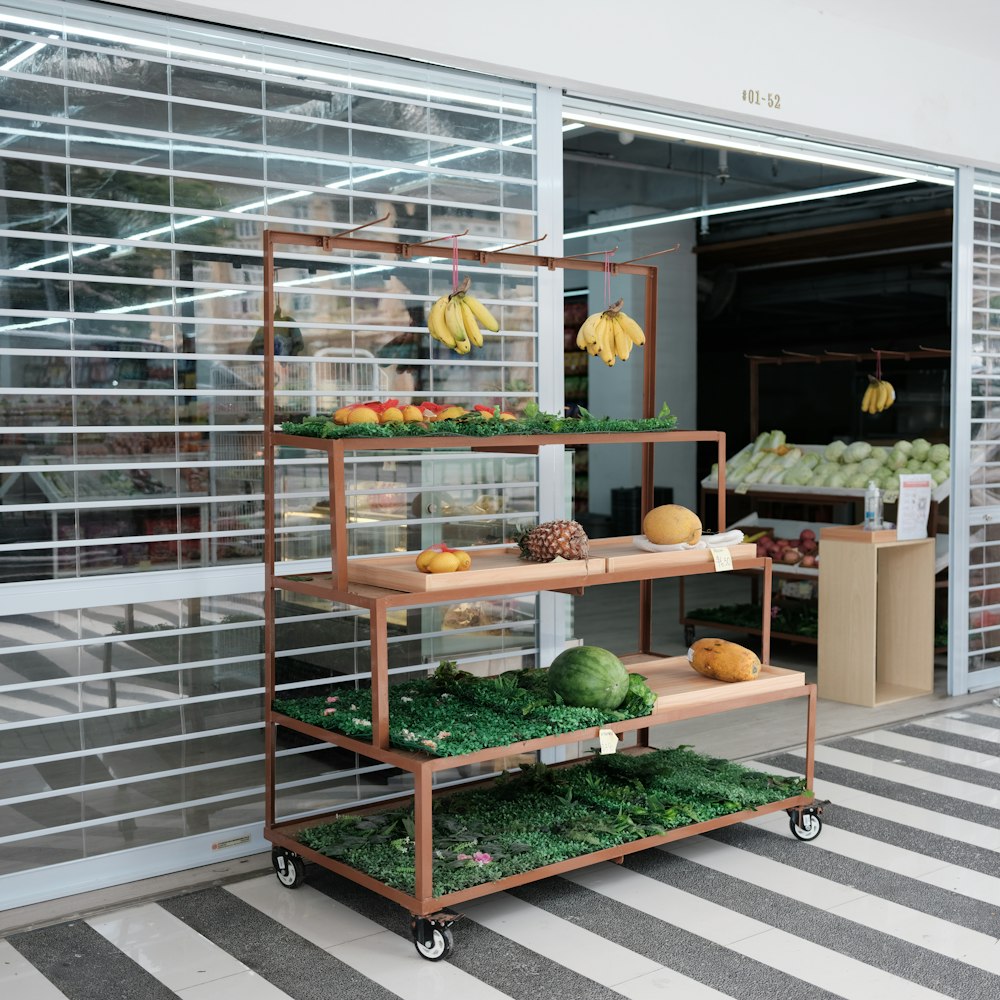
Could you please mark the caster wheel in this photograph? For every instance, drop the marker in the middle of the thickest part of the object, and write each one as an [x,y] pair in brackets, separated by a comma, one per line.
[810,829]
[290,869]
[438,947]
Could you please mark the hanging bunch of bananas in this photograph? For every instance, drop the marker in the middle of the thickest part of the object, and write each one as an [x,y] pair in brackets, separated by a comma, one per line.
[879,396]
[454,320]
[611,334]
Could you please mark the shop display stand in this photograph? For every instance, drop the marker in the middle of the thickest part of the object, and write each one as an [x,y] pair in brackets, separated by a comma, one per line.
[682,693]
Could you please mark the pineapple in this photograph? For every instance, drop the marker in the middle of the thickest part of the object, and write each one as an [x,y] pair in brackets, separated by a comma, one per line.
[554,539]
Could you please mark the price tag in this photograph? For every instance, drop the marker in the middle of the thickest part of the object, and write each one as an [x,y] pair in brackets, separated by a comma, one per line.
[742,488]
[609,740]
[722,558]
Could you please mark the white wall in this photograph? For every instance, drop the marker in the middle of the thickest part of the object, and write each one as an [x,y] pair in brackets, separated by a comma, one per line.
[910,76]
[617,391]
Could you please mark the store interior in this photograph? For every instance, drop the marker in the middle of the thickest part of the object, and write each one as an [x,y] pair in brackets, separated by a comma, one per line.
[808,277]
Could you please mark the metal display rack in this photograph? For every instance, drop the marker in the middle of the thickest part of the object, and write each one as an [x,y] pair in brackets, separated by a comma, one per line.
[681,693]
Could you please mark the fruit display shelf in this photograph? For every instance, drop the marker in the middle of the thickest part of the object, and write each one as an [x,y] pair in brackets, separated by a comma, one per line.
[680,692]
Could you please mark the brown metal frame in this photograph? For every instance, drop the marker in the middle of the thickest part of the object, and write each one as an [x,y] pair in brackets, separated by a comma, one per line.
[336,586]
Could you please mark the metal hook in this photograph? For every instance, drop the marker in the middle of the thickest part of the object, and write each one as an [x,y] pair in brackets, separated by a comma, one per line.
[347,232]
[514,246]
[593,253]
[646,256]
[437,239]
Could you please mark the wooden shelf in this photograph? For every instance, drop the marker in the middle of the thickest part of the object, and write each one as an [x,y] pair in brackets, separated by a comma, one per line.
[876,617]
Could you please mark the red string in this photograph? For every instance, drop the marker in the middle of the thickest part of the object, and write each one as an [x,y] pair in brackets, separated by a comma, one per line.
[607,278]
[454,263]
[878,365]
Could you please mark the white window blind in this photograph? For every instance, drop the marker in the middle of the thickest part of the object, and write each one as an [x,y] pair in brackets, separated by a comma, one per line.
[140,158]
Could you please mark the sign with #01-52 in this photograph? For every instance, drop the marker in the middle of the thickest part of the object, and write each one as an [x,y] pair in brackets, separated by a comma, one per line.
[762,99]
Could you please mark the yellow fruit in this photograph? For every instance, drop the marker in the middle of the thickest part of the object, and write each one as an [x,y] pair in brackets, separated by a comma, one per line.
[507,416]
[423,560]
[443,562]
[392,415]
[362,415]
[464,560]
[724,661]
[451,412]
[671,524]
[412,414]
[340,417]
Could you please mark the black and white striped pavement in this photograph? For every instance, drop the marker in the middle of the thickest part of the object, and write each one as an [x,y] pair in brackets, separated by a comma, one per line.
[898,898]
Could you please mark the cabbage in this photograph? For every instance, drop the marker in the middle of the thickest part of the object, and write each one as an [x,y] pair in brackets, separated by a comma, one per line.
[904,446]
[921,449]
[897,460]
[739,458]
[811,458]
[790,458]
[880,455]
[892,483]
[939,454]
[739,475]
[713,476]
[857,452]
[774,474]
[939,476]
[928,467]
[775,440]
[798,475]
[850,469]
[767,458]
[836,481]
[913,465]
[755,475]
[870,466]
[858,482]
[761,442]
[834,450]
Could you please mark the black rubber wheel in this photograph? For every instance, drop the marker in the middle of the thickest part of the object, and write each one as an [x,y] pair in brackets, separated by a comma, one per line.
[811,828]
[290,869]
[441,946]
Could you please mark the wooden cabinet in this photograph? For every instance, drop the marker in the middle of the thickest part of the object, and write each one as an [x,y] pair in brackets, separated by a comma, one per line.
[876,617]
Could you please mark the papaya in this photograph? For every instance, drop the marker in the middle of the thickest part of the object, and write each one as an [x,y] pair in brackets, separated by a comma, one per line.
[723,660]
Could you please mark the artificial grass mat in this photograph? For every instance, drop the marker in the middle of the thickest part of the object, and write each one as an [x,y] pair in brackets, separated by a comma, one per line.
[544,815]
[452,712]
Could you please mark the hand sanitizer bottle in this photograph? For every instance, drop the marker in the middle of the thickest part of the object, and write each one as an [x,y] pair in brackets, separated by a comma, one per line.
[873,507]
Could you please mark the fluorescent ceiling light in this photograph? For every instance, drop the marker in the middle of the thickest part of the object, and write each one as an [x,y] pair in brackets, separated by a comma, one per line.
[742,206]
[259,64]
[26,54]
[820,154]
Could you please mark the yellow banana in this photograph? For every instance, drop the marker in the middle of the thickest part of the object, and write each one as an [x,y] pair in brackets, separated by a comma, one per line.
[606,341]
[623,345]
[632,329]
[882,399]
[891,395]
[867,398]
[587,334]
[463,346]
[436,323]
[453,316]
[482,314]
[471,326]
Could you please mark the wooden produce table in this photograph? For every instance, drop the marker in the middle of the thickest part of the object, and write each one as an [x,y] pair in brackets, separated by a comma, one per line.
[876,617]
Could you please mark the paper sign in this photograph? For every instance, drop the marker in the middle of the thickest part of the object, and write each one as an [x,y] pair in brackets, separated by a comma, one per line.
[914,506]
[609,740]
[742,488]
[723,559]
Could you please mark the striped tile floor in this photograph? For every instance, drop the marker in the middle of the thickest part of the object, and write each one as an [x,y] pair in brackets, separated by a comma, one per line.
[897,898]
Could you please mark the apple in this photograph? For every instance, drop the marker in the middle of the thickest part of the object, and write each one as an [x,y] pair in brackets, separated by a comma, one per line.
[791,556]
[808,562]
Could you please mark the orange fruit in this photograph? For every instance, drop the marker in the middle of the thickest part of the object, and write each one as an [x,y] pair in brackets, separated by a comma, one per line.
[412,414]
[340,417]
[423,560]
[451,412]
[464,560]
[362,415]
[392,415]
[443,562]
[507,416]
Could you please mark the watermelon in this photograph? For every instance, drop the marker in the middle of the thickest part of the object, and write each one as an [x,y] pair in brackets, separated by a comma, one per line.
[589,677]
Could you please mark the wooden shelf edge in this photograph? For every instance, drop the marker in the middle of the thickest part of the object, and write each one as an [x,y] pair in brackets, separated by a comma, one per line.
[809,640]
